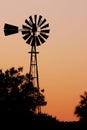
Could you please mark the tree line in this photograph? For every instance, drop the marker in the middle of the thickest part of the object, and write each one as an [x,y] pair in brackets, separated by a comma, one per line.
[19,102]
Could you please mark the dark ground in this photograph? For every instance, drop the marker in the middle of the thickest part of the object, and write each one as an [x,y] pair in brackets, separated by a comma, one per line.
[37,122]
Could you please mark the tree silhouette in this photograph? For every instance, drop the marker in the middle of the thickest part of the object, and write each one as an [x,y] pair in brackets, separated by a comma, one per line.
[18,95]
[81,109]
[19,101]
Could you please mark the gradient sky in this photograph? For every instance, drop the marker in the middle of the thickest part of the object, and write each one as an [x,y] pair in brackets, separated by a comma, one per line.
[62,60]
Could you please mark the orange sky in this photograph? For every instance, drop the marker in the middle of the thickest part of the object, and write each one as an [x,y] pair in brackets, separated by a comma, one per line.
[62,60]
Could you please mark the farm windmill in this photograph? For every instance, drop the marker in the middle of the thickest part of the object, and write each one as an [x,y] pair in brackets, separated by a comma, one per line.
[35,32]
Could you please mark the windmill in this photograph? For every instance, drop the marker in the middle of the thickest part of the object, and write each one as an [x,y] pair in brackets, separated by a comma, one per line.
[35,32]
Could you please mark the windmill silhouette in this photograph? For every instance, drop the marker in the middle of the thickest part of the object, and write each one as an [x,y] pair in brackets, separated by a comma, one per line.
[35,32]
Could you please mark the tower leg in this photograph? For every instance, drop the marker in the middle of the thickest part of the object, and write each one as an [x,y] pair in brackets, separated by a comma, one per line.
[34,70]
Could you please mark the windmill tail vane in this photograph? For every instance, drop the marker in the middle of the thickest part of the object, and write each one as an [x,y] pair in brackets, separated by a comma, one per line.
[35,32]
[10,29]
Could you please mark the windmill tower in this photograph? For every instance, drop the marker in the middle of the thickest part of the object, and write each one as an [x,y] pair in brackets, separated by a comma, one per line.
[35,32]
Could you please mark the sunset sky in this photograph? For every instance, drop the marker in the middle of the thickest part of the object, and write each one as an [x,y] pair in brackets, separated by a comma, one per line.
[62,60]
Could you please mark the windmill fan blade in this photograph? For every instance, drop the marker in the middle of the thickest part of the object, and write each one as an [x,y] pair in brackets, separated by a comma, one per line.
[31,19]
[27,22]
[45,26]
[26,27]
[44,35]
[33,41]
[45,31]
[10,29]
[25,32]
[42,22]
[35,19]
[29,40]
[37,41]
[26,36]
[41,39]
[39,20]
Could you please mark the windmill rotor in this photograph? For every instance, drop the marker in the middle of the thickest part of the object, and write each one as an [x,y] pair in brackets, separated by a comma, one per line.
[36,30]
